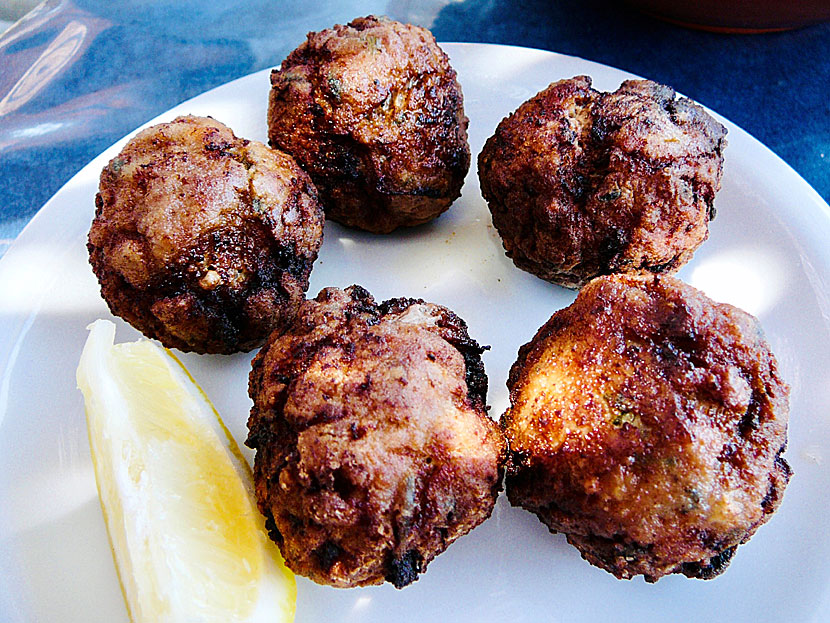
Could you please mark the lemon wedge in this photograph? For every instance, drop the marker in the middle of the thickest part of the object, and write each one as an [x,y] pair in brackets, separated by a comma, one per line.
[188,541]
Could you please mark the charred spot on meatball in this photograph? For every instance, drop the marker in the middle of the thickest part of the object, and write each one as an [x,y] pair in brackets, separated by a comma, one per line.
[582,183]
[627,431]
[203,240]
[374,451]
[374,112]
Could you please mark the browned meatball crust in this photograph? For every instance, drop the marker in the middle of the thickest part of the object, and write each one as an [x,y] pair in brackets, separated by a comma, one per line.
[373,111]
[648,423]
[582,183]
[203,240]
[374,451]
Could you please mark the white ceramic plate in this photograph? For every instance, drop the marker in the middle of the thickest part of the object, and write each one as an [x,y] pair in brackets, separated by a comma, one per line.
[769,252]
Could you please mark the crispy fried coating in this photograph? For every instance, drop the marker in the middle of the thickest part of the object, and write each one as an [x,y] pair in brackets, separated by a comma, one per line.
[203,240]
[647,423]
[373,111]
[582,183]
[374,451]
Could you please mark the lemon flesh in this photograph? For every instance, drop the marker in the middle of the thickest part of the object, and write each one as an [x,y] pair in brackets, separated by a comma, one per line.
[188,541]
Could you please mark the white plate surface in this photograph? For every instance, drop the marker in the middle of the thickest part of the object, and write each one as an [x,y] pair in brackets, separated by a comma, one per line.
[769,252]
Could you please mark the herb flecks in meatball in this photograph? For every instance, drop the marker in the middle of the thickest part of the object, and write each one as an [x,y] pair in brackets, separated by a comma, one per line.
[374,112]
[582,183]
[647,423]
[374,451]
[203,240]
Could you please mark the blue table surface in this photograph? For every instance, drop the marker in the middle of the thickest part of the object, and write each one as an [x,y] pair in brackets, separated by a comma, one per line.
[77,76]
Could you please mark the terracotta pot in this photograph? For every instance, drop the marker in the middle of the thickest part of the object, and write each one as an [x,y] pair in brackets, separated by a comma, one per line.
[746,16]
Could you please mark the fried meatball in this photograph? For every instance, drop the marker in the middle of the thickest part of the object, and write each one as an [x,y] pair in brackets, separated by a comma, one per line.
[373,111]
[648,423]
[582,183]
[203,240]
[374,451]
